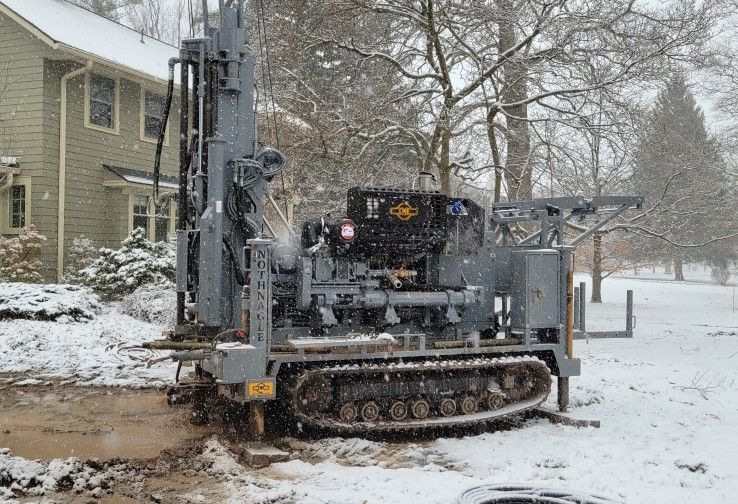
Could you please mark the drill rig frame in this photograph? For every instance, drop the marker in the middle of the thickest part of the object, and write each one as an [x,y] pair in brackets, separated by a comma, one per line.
[415,310]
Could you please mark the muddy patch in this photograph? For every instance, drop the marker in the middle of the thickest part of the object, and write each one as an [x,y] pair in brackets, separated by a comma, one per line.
[51,422]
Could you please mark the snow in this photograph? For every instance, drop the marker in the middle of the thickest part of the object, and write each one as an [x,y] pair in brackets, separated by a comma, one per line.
[152,303]
[100,352]
[89,33]
[35,478]
[10,161]
[47,302]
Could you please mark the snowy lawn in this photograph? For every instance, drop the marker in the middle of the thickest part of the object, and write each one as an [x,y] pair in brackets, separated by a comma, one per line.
[98,348]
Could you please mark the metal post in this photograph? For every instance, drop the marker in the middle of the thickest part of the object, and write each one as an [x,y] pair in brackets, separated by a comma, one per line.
[582,306]
[563,390]
[184,134]
[576,308]
[570,308]
[629,314]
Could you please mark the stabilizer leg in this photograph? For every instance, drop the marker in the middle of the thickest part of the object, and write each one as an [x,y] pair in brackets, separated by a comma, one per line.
[563,388]
[256,419]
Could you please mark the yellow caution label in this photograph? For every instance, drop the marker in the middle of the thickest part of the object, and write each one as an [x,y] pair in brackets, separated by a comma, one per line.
[263,388]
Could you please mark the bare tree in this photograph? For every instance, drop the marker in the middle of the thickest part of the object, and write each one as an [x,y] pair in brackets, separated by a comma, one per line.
[507,56]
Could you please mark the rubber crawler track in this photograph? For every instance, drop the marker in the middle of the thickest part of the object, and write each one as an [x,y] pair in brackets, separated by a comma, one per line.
[538,370]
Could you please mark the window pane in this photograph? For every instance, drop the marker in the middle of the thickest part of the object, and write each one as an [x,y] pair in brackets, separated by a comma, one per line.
[154,104]
[102,89]
[162,229]
[101,114]
[141,221]
[18,206]
[152,126]
[102,100]
[140,205]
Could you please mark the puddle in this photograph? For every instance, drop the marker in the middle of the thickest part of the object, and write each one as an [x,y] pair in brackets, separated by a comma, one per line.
[47,422]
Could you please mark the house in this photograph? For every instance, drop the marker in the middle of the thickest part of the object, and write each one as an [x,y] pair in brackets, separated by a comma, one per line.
[81,104]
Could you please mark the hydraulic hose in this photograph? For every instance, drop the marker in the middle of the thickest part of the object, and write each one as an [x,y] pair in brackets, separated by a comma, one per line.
[163,130]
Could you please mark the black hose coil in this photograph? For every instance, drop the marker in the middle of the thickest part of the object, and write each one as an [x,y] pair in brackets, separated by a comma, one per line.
[523,494]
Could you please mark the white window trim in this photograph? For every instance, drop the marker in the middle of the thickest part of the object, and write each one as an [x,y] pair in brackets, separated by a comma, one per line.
[5,205]
[142,118]
[151,231]
[116,105]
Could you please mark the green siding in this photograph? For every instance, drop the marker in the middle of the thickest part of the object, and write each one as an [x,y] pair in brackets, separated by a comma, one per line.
[33,103]
[21,113]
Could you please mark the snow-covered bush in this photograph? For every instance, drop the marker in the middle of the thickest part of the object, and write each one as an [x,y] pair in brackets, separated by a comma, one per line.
[137,262]
[720,274]
[20,256]
[151,303]
[47,302]
[80,255]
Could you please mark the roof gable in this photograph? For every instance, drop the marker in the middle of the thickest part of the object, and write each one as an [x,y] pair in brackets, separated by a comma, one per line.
[64,25]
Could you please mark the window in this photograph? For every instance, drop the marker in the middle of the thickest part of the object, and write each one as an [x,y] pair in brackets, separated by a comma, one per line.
[101,104]
[17,206]
[154,106]
[161,224]
[159,227]
[141,212]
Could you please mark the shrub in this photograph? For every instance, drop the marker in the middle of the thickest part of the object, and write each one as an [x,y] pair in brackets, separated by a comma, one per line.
[152,303]
[81,255]
[137,262]
[720,274]
[20,256]
[47,302]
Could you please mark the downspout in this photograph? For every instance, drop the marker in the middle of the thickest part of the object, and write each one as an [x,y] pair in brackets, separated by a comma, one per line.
[63,166]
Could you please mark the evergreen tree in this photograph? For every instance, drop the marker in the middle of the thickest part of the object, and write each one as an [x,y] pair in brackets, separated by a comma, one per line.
[678,167]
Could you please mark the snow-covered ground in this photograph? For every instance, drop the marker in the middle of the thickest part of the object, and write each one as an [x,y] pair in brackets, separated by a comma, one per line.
[97,349]
[667,400]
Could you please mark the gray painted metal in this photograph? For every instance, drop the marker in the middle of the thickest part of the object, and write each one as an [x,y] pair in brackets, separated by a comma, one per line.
[535,290]
[582,306]
[325,292]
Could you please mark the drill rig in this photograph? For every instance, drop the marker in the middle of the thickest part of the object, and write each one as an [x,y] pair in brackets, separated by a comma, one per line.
[414,310]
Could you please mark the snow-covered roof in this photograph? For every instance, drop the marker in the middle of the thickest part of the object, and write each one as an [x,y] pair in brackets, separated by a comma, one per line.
[66,26]
[142,177]
[10,161]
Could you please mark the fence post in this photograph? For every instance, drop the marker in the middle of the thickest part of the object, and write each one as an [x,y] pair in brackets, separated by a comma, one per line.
[629,314]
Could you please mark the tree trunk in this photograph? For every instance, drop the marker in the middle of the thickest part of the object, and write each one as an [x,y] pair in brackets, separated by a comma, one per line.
[515,90]
[597,269]
[667,268]
[492,139]
[678,269]
[444,168]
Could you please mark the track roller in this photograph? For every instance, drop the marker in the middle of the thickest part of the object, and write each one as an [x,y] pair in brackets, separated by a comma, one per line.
[370,411]
[447,407]
[420,408]
[495,401]
[398,410]
[467,404]
[348,412]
